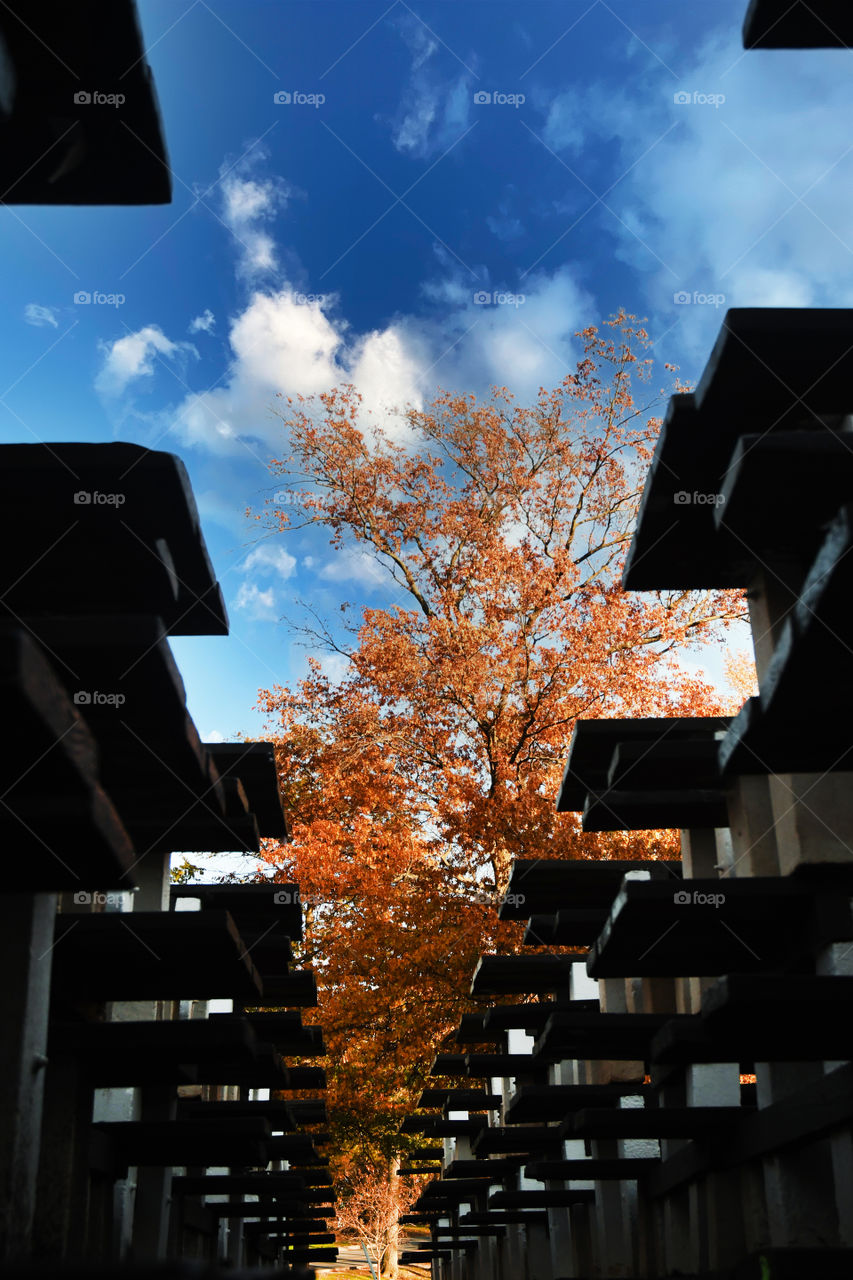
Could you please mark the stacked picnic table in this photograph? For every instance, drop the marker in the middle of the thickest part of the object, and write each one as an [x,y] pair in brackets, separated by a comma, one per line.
[156,1105]
[674,1095]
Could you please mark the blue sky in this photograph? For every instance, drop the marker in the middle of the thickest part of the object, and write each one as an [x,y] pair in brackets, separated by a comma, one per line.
[630,154]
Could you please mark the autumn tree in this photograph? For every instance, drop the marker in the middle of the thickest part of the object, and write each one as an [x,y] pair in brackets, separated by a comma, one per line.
[415,780]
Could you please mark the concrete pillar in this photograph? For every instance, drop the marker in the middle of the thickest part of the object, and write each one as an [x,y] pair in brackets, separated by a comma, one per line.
[62,1197]
[699,854]
[753,827]
[770,598]
[813,817]
[26,953]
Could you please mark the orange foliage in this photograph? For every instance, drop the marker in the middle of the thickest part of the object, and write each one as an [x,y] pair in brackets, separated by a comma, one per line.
[414,781]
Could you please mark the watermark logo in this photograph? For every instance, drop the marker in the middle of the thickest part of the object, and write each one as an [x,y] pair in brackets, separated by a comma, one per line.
[82,898]
[94,498]
[94,698]
[684,499]
[491,898]
[685,299]
[305,299]
[697,99]
[483,98]
[487,298]
[95,98]
[287,498]
[83,298]
[684,898]
[285,99]
[295,897]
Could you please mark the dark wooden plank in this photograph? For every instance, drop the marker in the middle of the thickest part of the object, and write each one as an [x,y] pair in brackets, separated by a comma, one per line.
[675,543]
[711,927]
[455,1189]
[549,884]
[594,742]
[523,1139]
[779,1017]
[622,1037]
[273,1185]
[469,1232]
[134,1053]
[276,1029]
[278,1113]
[296,990]
[258,905]
[651,1122]
[776,369]
[688,764]
[436,1127]
[624,1169]
[291,1146]
[428,1153]
[171,1142]
[152,955]
[498,1168]
[485,1065]
[254,764]
[127,688]
[516,1217]
[116,155]
[809,737]
[539,1199]
[519,974]
[63,829]
[144,554]
[471,1030]
[797,24]
[266,1072]
[618,810]
[781,489]
[459,1099]
[533,1103]
[449,1064]
[305,1078]
[533,1015]
[807,678]
[569,927]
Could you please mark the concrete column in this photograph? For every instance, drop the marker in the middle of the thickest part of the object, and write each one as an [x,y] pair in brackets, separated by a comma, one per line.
[770,598]
[26,953]
[699,854]
[813,816]
[539,1263]
[753,827]
[62,1197]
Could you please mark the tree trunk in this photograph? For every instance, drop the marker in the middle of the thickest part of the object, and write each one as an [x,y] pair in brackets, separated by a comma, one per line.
[389,1265]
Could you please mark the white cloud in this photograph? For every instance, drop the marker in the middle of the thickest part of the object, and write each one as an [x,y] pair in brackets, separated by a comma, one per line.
[249,203]
[565,123]
[504,224]
[745,199]
[334,666]
[269,558]
[205,323]
[282,346]
[353,565]
[38,315]
[134,356]
[255,602]
[435,108]
[263,562]
[214,736]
